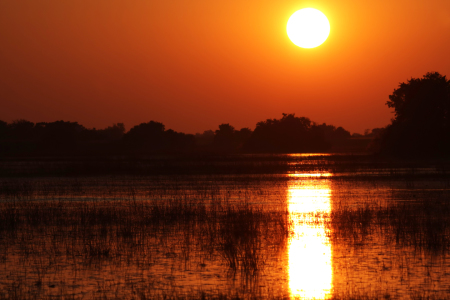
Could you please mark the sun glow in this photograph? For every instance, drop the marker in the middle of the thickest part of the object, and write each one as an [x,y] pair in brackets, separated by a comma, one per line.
[310,269]
[308,28]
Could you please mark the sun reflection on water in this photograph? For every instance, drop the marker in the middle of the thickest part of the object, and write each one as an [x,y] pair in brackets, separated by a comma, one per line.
[310,270]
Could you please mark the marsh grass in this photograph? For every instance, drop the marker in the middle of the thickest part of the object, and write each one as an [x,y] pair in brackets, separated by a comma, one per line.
[423,225]
[42,236]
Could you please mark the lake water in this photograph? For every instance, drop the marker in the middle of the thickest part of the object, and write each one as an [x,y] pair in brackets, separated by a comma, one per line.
[177,260]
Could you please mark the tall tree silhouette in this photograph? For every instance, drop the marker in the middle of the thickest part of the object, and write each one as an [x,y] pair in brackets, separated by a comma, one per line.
[421,126]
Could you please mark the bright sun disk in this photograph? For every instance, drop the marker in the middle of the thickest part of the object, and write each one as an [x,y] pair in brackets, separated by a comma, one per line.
[308,28]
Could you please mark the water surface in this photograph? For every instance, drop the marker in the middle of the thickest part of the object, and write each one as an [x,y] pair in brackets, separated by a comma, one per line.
[175,258]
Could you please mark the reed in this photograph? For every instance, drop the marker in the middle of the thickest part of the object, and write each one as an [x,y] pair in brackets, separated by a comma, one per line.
[43,235]
[424,224]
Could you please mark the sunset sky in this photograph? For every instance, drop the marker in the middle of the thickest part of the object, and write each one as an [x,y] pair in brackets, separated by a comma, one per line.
[193,65]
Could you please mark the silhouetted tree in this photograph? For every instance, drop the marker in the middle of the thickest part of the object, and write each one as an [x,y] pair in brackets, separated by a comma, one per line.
[289,134]
[375,132]
[3,129]
[204,139]
[227,139]
[224,137]
[21,130]
[114,132]
[242,136]
[177,141]
[421,126]
[151,137]
[146,135]
[341,134]
[333,134]
[60,135]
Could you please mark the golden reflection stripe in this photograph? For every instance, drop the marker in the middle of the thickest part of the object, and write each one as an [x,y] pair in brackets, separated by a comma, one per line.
[308,154]
[306,175]
[310,270]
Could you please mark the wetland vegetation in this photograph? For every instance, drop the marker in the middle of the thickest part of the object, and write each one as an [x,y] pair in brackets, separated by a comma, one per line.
[227,227]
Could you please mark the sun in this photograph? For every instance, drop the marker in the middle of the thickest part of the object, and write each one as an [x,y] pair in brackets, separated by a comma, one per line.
[308,28]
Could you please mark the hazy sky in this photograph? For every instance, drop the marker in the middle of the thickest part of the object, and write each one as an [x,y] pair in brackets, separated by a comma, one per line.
[193,65]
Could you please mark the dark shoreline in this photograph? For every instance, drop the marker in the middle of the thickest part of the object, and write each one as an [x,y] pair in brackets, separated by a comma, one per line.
[237,164]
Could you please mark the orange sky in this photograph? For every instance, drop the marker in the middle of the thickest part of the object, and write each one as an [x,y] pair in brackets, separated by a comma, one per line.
[193,65]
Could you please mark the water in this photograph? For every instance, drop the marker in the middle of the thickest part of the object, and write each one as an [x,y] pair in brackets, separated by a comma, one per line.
[176,258]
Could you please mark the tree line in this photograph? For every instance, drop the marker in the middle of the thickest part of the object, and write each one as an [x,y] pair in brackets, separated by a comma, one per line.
[285,135]
[420,129]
